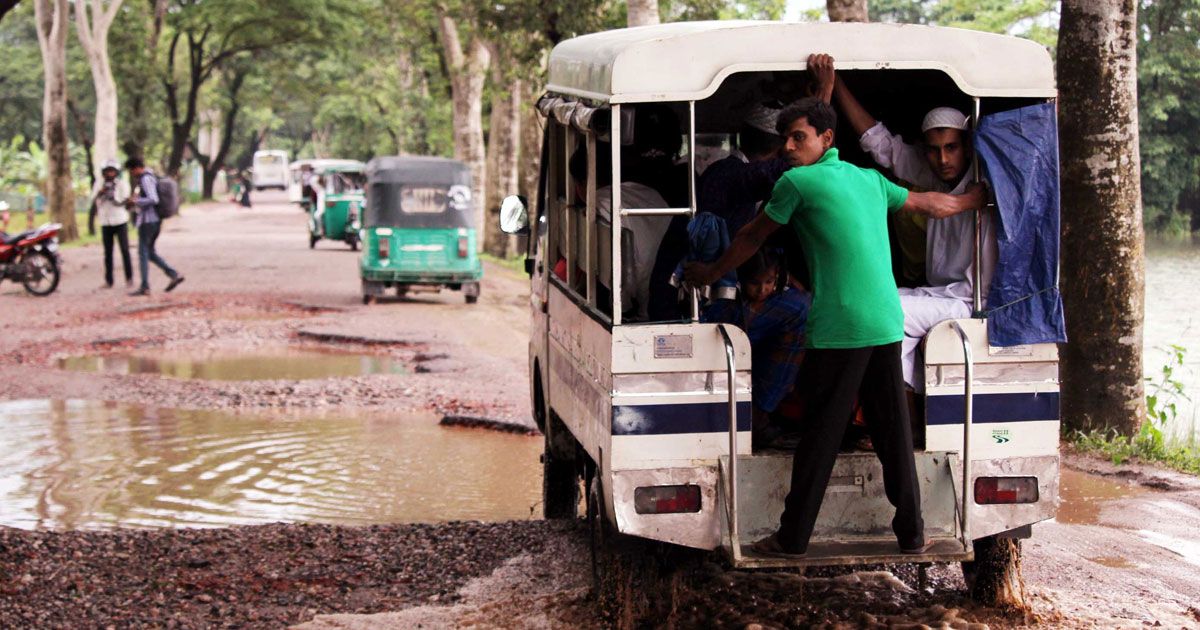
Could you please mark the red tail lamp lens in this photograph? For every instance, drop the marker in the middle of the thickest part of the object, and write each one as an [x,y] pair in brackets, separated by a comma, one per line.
[462,247]
[1006,490]
[330,204]
[382,247]
[666,499]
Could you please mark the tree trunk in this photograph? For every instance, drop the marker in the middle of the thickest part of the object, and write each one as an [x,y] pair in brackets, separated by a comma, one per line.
[531,148]
[1103,269]
[504,143]
[93,37]
[468,71]
[847,10]
[52,23]
[641,12]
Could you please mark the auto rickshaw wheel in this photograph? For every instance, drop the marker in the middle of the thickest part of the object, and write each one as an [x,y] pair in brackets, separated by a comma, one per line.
[353,244]
[367,299]
[471,299]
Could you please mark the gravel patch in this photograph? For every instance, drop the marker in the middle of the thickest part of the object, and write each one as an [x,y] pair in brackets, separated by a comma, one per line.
[255,577]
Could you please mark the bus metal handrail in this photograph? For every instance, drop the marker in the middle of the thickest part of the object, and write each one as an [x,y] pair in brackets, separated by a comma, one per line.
[968,411]
[731,505]
[655,212]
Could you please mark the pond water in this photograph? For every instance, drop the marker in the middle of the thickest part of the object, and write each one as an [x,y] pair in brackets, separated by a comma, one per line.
[1173,318]
[81,464]
[275,363]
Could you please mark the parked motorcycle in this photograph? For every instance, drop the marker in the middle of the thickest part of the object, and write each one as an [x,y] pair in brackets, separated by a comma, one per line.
[31,258]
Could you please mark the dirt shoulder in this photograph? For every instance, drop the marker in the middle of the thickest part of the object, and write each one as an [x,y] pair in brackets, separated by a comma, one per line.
[253,284]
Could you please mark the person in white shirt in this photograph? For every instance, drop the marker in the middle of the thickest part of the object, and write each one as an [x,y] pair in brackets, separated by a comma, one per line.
[108,205]
[940,164]
[643,234]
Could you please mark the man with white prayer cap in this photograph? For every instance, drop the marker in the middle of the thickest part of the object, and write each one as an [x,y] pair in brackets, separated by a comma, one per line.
[941,163]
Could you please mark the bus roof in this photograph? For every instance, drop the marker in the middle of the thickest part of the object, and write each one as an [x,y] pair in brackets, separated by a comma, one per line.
[683,61]
[327,164]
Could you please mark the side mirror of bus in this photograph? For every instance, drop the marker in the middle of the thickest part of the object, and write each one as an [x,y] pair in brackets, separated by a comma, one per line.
[514,216]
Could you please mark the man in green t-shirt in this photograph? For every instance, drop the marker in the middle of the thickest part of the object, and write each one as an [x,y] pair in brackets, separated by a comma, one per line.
[839,213]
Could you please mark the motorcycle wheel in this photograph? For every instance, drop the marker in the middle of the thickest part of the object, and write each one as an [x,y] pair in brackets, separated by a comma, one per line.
[41,273]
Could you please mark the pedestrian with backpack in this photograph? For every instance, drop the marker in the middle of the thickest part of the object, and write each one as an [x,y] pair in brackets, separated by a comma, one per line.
[151,208]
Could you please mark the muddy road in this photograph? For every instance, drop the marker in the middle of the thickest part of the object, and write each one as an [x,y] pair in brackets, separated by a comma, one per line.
[240,452]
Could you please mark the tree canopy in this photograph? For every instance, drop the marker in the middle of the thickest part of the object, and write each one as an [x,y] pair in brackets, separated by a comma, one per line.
[357,78]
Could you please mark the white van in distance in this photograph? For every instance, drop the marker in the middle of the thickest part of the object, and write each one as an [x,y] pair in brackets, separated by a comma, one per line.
[270,170]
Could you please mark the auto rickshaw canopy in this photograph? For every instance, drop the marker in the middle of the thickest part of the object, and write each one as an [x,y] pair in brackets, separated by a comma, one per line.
[688,61]
[418,192]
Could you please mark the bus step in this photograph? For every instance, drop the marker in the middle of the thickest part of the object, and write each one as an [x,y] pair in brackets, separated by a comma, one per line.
[859,552]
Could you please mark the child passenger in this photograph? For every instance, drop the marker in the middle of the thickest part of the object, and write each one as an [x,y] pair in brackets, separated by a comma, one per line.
[773,314]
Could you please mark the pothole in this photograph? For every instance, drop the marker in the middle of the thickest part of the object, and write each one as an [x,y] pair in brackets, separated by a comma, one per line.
[85,464]
[282,363]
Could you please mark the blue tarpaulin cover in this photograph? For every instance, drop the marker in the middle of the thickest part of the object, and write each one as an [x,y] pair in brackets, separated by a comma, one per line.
[1019,148]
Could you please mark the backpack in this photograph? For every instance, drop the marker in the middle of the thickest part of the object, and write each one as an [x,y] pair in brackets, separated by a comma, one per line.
[168,197]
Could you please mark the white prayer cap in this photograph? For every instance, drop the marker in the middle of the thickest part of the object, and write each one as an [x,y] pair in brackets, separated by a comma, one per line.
[944,118]
[762,118]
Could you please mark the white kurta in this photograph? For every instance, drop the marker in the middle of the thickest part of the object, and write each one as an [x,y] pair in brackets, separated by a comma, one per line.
[949,249]
[646,235]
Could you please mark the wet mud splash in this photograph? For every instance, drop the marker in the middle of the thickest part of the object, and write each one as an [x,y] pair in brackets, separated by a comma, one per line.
[79,464]
[286,363]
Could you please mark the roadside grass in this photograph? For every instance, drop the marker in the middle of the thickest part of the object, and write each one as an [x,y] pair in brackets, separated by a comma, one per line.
[516,263]
[1151,443]
[20,223]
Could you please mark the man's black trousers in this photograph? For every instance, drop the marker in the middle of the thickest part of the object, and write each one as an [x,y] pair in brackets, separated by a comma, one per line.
[121,234]
[832,380]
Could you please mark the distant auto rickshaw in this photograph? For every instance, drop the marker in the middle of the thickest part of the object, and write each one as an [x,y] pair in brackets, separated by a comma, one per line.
[337,213]
[418,231]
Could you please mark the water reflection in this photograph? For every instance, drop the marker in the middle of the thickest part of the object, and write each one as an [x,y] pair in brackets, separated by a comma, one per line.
[278,363]
[79,464]
[1172,275]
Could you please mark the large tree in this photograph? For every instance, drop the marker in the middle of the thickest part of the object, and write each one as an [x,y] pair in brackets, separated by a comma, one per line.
[467,64]
[1102,247]
[642,12]
[53,22]
[92,27]
[847,10]
[206,36]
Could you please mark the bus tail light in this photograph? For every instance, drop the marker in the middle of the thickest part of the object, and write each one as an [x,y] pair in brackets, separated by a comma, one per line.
[1006,490]
[382,247]
[462,247]
[330,204]
[666,499]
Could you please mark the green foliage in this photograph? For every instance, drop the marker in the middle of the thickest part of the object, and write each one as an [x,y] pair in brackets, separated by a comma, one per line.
[1169,113]
[1032,19]
[1152,441]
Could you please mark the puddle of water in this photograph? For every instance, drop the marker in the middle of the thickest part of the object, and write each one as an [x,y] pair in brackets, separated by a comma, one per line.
[1113,562]
[1084,496]
[277,363]
[82,464]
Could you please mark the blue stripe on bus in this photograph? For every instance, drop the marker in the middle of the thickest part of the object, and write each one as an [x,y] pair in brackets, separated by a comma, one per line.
[677,418]
[1018,407]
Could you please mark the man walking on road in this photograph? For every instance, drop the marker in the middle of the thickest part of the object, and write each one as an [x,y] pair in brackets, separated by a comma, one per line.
[144,202]
[839,214]
[108,204]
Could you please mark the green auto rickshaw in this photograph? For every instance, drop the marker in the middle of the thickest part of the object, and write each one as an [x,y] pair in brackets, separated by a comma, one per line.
[337,213]
[418,228]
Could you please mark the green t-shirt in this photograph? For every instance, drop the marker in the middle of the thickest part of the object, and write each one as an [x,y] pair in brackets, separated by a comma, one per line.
[839,212]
